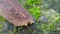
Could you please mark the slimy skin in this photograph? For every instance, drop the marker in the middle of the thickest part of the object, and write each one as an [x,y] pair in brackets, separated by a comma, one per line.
[15,13]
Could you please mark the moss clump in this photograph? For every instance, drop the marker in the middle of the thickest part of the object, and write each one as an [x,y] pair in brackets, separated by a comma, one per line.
[2,19]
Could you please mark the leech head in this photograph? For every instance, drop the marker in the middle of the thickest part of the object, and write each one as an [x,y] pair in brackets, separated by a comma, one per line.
[32,21]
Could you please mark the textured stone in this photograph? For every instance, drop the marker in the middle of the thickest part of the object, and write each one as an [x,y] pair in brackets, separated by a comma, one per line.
[14,12]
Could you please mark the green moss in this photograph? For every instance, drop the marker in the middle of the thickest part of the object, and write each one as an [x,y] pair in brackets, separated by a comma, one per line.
[2,19]
[33,7]
[35,11]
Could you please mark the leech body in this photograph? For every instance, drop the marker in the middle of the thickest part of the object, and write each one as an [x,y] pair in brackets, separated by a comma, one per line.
[14,12]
